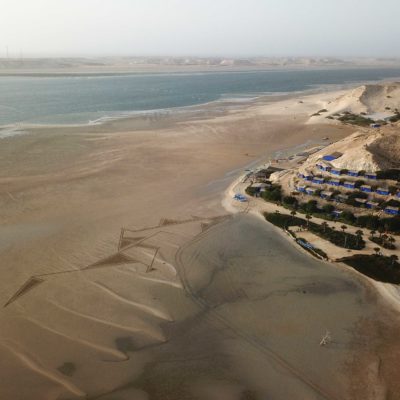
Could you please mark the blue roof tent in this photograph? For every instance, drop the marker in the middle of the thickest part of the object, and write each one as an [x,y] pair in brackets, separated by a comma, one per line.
[301,188]
[371,175]
[352,173]
[310,190]
[331,157]
[334,182]
[349,185]
[383,191]
[318,181]
[398,194]
[335,171]
[392,210]
[366,189]
[371,204]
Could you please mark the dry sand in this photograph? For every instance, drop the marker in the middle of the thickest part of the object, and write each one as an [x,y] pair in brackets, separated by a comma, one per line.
[97,312]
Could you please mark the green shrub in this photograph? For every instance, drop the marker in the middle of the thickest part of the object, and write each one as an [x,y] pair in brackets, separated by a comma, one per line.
[380,268]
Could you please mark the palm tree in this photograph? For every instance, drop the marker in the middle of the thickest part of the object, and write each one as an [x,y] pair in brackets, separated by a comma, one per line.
[394,258]
[391,240]
[373,233]
[293,213]
[325,226]
[359,234]
[308,217]
[377,250]
[344,227]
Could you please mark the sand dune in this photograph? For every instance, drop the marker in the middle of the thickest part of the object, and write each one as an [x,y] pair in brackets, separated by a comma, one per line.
[150,310]
[377,100]
[29,360]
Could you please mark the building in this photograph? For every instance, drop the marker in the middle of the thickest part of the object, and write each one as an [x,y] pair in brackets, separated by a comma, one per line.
[383,191]
[336,171]
[352,173]
[318,181]
[308,177]
[361,201]
[349,185]
[311,191]
[372,204]
[366,188]
[371,175]
[334,182]
[301,188]
[327,195]
[331,157]
[392,210]
[342,198]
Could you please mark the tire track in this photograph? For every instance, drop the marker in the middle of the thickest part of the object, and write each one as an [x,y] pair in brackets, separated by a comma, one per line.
[256,343]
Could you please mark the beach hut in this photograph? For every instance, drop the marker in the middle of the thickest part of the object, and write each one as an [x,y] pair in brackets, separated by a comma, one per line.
[392,210]
[349,185]
[383,191]
[366,188]
[336,171]
[318,181]
[342,198]
[327,195]
[311,191]
[331,157]
[308,177]
[371,204]
[361,201]
[371,175]
[301,188]
[334,182]
[352,173]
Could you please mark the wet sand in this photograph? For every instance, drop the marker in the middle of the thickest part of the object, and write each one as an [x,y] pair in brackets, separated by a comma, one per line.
[96,312]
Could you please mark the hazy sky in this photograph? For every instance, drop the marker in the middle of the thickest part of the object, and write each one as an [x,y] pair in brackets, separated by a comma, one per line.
[200,27]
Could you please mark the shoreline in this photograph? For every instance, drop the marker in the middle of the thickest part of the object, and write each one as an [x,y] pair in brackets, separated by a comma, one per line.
[70,195]
[229,103]
[389,293]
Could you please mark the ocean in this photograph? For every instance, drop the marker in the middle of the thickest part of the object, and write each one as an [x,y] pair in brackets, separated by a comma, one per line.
[90,99]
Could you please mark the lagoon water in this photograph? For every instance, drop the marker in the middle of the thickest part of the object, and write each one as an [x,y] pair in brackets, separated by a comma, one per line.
[85,99]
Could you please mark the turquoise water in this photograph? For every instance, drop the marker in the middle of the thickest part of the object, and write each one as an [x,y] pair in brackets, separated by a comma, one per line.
[83,99]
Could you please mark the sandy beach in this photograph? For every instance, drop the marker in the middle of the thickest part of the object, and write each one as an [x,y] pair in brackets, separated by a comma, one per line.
[122,278]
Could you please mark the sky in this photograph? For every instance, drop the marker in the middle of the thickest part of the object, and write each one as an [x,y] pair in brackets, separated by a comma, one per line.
[223,28]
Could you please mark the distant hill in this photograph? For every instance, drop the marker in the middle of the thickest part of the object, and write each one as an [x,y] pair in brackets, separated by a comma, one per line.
[139,64]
